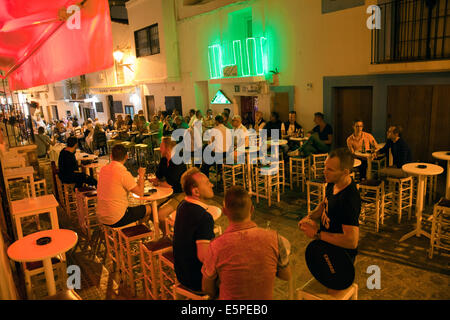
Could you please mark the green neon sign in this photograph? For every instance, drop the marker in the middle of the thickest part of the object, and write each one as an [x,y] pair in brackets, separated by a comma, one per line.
[220,98]
[249,55]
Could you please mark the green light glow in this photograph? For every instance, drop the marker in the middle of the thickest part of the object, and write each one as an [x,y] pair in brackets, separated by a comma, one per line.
[220,98]
[251,60]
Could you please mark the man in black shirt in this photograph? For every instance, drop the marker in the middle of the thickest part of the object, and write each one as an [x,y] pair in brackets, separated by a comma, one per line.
[168,175]
[320,140]
[339,212]
[401,153]
[273,124]
[193,230]
[68,165]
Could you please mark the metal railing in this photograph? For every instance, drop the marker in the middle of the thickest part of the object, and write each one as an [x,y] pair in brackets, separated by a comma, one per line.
[412,30]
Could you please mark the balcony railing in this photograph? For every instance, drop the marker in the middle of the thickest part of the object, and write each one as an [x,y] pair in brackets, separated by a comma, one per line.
[412,30]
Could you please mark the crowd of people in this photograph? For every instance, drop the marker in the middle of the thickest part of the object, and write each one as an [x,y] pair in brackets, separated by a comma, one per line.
[204,263]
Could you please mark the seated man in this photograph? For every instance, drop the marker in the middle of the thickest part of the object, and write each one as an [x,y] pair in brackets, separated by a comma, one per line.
[68,166]
[115,182]
[194,229]
[169,175]
[361,141]
[320,140]
[339,212]
[246,259]
[401,153]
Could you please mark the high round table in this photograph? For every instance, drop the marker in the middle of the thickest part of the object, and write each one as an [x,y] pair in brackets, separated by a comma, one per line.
[161,193]
[421,173]
[445,155]
[368,157]
[26,250]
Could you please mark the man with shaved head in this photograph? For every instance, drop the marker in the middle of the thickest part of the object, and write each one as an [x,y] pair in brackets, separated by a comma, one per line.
[246,259]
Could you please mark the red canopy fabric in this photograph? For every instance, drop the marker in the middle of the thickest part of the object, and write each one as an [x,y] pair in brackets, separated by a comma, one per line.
[37,48]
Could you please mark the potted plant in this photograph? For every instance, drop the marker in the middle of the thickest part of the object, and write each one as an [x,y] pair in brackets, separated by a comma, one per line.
[70,85]
[275,77]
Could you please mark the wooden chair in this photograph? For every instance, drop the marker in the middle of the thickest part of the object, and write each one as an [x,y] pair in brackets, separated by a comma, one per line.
[167,276]
[400,193]
[129,241]
[315,193]
[440,228]
[150,252]
[314,290]
[297,170]
[267,178]
[372,202]
[233,174]
[317,165]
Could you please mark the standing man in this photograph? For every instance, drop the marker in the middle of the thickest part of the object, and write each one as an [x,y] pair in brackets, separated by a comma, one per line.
[246,259]
[361,141]
[193,230]
[401,153]
[336,219]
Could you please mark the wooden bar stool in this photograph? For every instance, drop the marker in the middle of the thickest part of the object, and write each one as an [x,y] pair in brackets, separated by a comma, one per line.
[315,193]
[87,208]
[440,235]
[372,202]
[317,165]
[180,292]
[167,276]
[378,164]
[233,174]
[150,252]
[267,178]
[400,194]
[314,290]
[297,170]
[130,265]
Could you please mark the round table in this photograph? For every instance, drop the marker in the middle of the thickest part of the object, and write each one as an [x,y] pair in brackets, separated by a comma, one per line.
[161,193]
[215,212]
[356,163]
[26,250]
[444,155]
[368,156]
[280,142]
[421,173]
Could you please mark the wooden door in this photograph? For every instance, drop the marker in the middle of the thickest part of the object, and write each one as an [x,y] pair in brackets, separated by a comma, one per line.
[150,100]
[424,114]
[55,113]
[410,107]
[174,103]
[248,104]
[281,105]
[351,103]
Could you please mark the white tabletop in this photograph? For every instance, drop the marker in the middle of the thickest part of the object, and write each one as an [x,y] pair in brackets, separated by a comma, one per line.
[33,204]
[356,163]
[80,156]
[298,138]
[215,212]
[99,164]
[161,193]
[280,142]
[26,249]
[442,155]
[430,170]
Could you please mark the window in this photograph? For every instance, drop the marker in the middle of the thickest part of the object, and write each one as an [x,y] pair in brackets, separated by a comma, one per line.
[147,41]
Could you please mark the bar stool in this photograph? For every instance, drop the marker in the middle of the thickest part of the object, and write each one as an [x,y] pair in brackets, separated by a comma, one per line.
[150,251]
[233,174]
[400,195]
[314,290]
[141,154]
[282,174]
[440,235]
[317,165]
[180,292]
[378,164]
[297,170]
[87,209]
[372,202]
[67,198]
[167,276]
[130,266]
[266,178]
[315,193]
[33,269]
[45,172]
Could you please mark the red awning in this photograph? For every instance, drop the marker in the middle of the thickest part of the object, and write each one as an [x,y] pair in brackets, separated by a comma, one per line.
[37,45]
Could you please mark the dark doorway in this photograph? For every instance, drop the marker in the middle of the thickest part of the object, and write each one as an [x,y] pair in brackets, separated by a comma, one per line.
[424,115]
[110,102]
[281,105]
[150,100]
[88,113]
[351,103]
[129,110]
[248,104]
[174,103]
[55,113]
